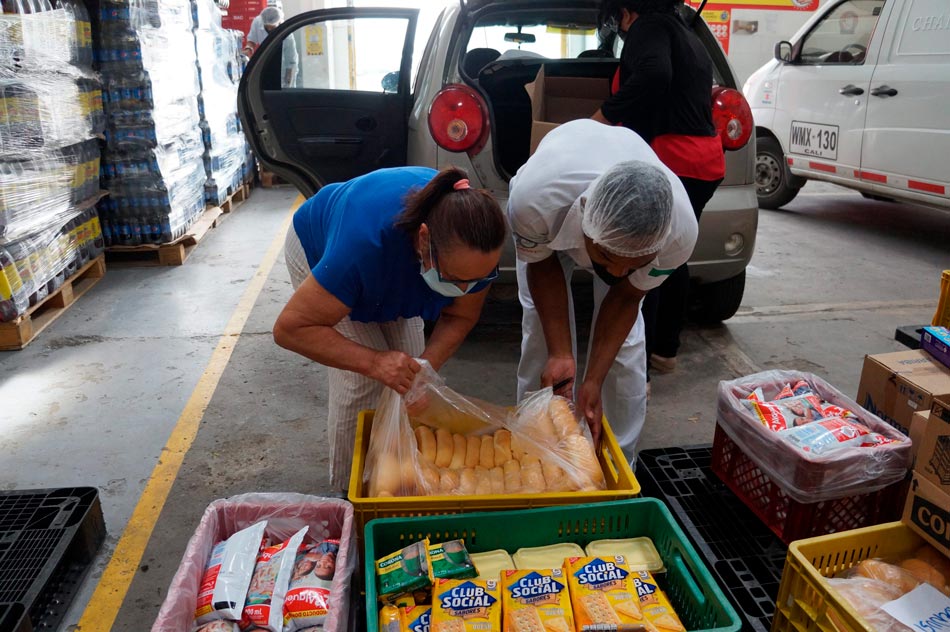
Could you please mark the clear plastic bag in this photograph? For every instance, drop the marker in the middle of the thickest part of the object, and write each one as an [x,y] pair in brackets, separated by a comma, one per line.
[867,596]
[439,442]
[809,477]
[285,515]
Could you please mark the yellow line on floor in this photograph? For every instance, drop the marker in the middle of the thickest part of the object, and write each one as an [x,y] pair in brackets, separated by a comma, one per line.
[104,605]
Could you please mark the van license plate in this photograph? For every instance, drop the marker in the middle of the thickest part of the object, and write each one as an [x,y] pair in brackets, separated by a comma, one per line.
[814,139]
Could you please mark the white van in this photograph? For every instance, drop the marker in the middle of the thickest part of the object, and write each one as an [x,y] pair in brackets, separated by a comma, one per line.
[860,97]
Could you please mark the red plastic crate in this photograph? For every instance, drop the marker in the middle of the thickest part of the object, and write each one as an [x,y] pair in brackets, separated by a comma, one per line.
[789,519]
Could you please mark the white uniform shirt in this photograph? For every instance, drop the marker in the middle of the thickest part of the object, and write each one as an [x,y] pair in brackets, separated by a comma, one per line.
[256,33]
[548,193]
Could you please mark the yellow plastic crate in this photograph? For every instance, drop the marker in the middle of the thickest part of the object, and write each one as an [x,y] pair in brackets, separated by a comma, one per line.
[621,484]
[805,601]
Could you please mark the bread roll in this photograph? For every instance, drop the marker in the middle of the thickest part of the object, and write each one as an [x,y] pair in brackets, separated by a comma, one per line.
[445,446]
[562,417]
[925,573]
[487,453]
[473,451]
[409,478]
[426,440]
[458,452]
[384,494]
[579,451]
[497,477]
[887,573]
[519,446]
[430,479]
[935,558]
[532,480]
[449,482]
[386,475]
[554,477]
[468,482]
[483,488]
[543,428]
[502,441]
[512,471]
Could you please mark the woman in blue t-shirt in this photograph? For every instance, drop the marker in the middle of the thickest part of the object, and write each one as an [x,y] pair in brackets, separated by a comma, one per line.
[371,259]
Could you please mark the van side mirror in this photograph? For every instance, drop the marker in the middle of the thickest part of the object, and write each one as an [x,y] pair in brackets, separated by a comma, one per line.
[783,52]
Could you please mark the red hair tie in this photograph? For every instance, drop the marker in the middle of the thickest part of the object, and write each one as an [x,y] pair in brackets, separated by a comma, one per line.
[461,184]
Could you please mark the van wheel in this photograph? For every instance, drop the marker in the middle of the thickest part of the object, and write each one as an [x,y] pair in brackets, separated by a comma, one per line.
[775,186]
[719,301]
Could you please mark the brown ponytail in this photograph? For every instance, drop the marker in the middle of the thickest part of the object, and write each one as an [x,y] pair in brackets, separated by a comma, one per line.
[469,217]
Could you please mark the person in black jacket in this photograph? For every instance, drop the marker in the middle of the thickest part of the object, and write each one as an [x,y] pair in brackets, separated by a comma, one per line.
[663,92]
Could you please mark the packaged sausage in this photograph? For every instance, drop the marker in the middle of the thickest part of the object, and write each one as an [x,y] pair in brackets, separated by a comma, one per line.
[405,571]
[227,576]
[450,560]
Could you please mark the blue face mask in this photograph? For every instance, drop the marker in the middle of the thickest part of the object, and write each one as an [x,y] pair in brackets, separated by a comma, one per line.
[437,285]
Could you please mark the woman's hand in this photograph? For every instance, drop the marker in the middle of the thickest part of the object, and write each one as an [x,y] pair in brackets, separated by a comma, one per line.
[395,369]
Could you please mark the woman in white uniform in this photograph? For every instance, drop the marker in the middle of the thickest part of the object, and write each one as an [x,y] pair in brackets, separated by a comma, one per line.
[595,197]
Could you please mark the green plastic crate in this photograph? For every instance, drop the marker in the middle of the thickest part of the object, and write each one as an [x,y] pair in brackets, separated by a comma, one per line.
[698,601]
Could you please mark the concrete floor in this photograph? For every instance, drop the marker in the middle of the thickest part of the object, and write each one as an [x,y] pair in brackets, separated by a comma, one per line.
[94,400]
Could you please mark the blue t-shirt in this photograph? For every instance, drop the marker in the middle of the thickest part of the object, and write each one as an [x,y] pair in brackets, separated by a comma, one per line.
[356,253]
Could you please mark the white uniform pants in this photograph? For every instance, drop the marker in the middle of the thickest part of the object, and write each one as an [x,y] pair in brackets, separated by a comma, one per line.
[624,390]
[350,392]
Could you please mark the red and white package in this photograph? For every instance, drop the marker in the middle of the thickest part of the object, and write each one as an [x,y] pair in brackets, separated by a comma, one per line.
[827,435]
[227,575]
[787,413]
[220,626]
[308,599]
[264,607]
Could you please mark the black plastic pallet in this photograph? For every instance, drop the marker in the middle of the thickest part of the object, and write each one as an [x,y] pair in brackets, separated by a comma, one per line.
[13,618]
[48,538]
[909,335]
[744,554]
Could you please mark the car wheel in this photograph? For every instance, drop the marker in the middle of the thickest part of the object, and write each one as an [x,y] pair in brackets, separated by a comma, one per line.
[774,185]
[719,301]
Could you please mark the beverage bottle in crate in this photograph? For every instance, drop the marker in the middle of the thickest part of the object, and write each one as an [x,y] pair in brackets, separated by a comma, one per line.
[13,296]
[83,30]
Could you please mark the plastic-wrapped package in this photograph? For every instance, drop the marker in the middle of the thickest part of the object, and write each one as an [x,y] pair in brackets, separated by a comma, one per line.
[447,444]
[34,266]
[867,596]
[805,476]
[285,514]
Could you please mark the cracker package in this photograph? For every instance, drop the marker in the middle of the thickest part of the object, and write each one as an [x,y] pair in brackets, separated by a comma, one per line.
[602,591]
[416,618]
[450,560]
[405,571]
[655,605]
[466,605]
[536,601]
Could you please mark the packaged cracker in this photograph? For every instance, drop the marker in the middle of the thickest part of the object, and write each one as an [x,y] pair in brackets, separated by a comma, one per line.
[416,618]
[405,571]
[264,607]
[450,560]
[536,601]
[602,591]
[655,605]
[466,605]
[227,575]
[308,598]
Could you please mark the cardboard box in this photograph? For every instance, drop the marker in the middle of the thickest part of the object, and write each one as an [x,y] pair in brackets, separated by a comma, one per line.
[918,427]
[936,342]
[894,386]
[927,512]
[933,455]
[556,100]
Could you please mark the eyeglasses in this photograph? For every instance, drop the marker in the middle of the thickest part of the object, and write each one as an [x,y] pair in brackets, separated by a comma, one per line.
[435,263]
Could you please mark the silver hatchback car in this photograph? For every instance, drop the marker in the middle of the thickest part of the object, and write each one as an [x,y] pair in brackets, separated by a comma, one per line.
[333,94]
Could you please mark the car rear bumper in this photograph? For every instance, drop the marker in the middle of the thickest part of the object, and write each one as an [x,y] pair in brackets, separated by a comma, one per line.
[733,210]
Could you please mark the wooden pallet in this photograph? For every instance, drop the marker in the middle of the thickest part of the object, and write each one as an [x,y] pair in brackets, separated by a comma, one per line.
[240,194]
[270,179]
[171,254]
[25,328]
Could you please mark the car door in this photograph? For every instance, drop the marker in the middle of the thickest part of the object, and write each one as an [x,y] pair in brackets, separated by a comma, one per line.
[907,134]
[821,102]
[326,97]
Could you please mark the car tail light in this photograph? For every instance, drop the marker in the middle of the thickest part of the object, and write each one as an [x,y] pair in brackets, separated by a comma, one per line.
[458,119]
[732,117]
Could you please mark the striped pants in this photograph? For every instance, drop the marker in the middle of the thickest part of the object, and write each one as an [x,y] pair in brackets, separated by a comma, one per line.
[350,392]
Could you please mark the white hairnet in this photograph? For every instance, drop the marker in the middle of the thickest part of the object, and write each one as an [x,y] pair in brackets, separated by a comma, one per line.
[629,209]
[272,16]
